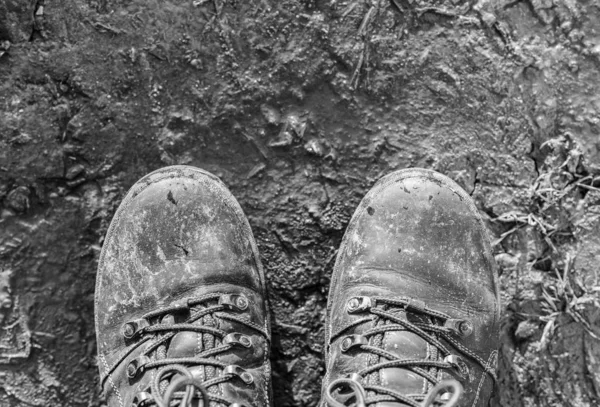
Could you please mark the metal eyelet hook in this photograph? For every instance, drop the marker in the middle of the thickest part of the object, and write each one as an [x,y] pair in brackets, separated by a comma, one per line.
[236,302]
[460,327]
[136,366]
[358,304]
[458,364]
[239,372]
[132,328]
[352,341]
[238,339]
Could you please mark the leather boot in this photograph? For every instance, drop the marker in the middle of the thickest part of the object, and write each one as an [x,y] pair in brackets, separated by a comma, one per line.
[413,310]
[180,298]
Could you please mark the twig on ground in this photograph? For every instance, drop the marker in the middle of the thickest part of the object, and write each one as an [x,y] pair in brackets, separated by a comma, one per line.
[256,144]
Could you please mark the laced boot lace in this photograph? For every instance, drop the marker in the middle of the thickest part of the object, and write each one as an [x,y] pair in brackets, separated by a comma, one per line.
[379,310]
[173,382]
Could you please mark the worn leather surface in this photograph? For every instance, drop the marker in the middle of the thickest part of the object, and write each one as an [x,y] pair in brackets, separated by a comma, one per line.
[416,234]
[179,233]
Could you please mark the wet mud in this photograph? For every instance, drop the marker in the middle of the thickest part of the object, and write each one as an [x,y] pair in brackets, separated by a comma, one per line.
[299,107]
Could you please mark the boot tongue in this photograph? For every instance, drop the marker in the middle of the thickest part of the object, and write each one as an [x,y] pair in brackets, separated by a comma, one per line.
[190,344]
[407,346]
[185,345]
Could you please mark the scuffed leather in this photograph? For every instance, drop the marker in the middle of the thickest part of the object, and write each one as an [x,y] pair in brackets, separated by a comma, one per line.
[179,233]
[416,234]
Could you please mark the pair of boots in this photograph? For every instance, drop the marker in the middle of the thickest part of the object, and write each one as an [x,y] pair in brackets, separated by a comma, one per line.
[181,316]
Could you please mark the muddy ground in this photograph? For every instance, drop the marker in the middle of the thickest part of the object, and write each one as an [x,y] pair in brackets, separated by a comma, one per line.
[300,106]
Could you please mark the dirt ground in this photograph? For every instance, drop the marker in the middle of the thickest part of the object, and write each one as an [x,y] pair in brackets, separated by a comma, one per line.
[300,106]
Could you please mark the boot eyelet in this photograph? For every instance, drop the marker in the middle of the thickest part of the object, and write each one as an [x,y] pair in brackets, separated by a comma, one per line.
[466,328]
[235,370]
[136,366]
[351,341]
[458,364]
[238,339]
[245,341]
[241,302]
[358,304]
[247,378]
[346,343]
[132,328]
[236,302]
[460,327]
[128,330]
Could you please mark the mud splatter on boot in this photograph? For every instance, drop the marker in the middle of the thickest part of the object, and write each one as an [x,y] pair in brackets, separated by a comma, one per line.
[413,312]
[180,297]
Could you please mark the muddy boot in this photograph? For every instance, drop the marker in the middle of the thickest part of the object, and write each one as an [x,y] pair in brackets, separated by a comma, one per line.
[413,312]
[180,297]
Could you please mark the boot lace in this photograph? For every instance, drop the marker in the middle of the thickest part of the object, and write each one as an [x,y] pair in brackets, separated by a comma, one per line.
[173,382]
[435,326]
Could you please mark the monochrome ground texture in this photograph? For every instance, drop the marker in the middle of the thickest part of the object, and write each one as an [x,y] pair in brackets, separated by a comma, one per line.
[300,106]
